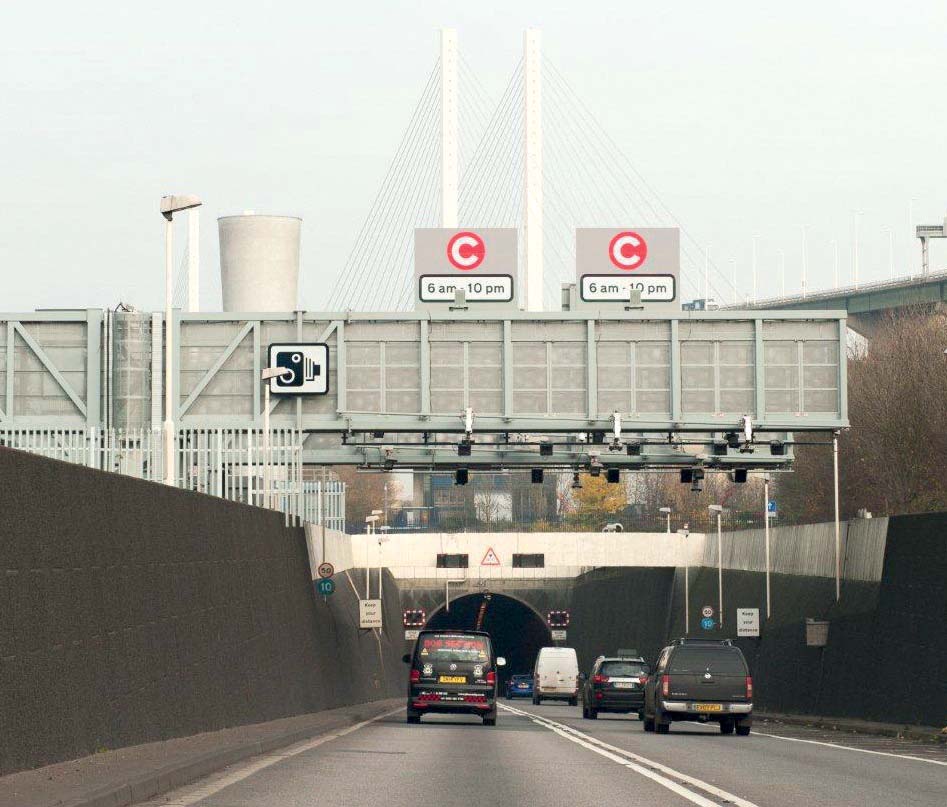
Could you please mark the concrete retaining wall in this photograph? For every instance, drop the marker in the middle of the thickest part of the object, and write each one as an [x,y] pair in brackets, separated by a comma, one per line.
[132,612]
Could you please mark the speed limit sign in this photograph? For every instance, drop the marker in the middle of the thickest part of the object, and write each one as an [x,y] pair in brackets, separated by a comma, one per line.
[326,569]
[707,611]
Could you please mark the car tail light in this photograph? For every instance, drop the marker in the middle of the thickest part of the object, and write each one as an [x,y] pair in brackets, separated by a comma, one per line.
[427,696]
[491,677]
[749,686]
[599,679]
[599,695]
[415,676]
[665,685]
[475,698]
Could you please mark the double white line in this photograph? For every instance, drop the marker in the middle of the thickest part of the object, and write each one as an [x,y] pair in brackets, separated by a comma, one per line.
[673,780]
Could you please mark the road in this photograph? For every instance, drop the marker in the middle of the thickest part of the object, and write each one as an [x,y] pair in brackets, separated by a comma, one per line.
[549,755]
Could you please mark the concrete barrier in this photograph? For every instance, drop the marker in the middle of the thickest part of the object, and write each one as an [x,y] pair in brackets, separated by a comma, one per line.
[133,612]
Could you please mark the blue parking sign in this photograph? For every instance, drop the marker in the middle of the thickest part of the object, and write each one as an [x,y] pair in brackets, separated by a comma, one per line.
[707,623]
[326,586]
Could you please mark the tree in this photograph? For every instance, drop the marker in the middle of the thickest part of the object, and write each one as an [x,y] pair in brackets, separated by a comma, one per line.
[891,459]
[365,492]
[595,501]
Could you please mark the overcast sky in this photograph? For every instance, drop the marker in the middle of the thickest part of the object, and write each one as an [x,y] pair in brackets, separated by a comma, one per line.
[748,119]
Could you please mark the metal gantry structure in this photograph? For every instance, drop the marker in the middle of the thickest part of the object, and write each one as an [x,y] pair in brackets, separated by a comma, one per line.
[569,390]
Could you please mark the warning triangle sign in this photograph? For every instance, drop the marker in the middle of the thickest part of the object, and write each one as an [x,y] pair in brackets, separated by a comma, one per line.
[490,559]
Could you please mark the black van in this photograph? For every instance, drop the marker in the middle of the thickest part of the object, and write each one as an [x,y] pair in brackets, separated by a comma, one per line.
[453,672]
[700,679]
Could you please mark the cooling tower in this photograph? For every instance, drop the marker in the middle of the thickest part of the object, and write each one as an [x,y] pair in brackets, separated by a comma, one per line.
[259,262]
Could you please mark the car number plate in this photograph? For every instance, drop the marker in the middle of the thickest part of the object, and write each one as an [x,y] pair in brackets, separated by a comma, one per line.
[452,679]
[523,686]
[708,707]
[624,685]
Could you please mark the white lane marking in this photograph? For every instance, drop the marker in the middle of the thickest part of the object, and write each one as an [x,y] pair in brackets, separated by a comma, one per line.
[193,794]
[850,748]
[616,755]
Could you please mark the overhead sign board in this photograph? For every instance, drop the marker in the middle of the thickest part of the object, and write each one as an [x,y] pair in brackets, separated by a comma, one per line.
[558,635]
[481,263]
[748,621]
[411,634]
[306,365]
[369,613]
[613,262]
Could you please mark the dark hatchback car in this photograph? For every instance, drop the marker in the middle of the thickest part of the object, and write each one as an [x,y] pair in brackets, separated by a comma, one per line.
[699,679]
[614,685]
[453,672]
[519,686]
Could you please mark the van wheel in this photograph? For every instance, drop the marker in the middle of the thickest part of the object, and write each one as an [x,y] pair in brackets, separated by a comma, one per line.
[414,718]
[648,724]
[536,700]
[743,731]
[489,721]
[593,714]
[726,727]
[573,701]
[662,728]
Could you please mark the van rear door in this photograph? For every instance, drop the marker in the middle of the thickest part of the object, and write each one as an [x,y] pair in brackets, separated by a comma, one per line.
[707,674]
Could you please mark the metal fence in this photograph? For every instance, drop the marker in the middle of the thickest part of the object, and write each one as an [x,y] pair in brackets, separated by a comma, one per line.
[233,464]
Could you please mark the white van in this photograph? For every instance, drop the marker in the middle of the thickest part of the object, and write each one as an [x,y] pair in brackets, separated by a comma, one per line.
[556,675]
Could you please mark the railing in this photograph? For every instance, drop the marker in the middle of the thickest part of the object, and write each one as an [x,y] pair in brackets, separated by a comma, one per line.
[233,464]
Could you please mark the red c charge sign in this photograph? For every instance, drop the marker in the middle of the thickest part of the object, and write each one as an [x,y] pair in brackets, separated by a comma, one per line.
[628,251]
[465,251]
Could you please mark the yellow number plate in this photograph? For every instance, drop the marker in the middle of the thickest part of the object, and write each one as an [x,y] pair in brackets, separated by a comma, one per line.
[452,679]
[708,707]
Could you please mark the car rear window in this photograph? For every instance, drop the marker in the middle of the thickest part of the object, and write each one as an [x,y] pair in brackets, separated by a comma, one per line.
[727,661]
[453,647]
[623,669]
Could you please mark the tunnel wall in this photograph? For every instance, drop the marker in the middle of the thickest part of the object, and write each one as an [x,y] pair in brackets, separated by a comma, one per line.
[887,645]
[132,612]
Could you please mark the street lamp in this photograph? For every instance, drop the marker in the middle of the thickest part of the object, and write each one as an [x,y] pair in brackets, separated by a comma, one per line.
[667,510]
[718,509]
[266,376]
[685,531]
[370,522]
[169,206]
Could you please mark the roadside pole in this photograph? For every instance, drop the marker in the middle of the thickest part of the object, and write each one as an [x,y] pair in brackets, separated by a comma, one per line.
[766,533]
[838,531]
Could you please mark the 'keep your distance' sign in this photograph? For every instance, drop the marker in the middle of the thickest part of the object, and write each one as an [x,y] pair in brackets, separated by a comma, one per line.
[613,262]
[481,263]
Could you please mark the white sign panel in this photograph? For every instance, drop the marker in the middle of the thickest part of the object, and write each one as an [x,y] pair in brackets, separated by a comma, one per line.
[617,289]
[748,621]
[558,635]
[369,613]
[479,289]
[307,368]
[411,634]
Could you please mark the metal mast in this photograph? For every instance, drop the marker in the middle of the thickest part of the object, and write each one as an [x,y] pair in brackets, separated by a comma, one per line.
[533,136]
[449,128]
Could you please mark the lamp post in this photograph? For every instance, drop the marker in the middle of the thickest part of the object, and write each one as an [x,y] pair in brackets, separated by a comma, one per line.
[369,531]
[667,510]
[382,539]
[268,374]
[685,531]
[168,207]
[718,509]
[766,538]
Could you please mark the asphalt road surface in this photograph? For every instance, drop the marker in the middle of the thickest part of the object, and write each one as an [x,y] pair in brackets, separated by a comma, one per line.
[548,755]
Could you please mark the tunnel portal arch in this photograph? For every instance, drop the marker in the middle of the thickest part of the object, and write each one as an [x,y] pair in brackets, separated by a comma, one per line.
[516,628]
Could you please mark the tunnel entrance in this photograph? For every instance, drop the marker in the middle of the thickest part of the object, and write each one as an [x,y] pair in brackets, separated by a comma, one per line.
[516,629]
